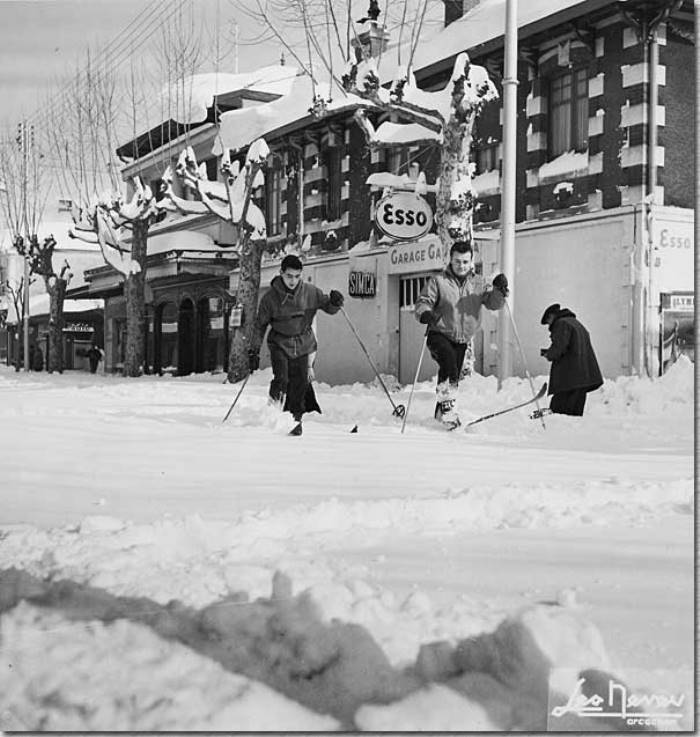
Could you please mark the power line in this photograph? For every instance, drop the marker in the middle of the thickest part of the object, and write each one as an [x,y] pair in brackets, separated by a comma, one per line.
[122,49]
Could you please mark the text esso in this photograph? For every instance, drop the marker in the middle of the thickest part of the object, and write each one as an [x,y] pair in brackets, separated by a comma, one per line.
[403,216]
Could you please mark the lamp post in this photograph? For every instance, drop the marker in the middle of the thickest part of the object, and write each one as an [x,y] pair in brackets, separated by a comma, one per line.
[510,89]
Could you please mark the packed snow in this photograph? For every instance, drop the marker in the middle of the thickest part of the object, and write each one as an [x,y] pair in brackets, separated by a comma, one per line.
[389,565]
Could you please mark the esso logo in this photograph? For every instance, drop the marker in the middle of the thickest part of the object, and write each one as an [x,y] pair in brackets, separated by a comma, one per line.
[403,216]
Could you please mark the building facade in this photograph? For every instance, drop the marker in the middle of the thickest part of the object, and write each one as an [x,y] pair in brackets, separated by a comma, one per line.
[604,202]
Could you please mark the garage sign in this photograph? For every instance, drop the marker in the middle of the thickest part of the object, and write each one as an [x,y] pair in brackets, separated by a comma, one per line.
[403,216]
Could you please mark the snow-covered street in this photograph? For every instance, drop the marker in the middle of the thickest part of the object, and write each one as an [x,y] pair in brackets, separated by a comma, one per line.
[137,488]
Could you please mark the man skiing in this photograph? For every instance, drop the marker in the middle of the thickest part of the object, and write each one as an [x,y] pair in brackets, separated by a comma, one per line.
[574,371]
[450,305]
[288,308]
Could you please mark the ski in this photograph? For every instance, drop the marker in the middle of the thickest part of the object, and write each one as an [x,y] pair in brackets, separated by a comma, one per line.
[537,396]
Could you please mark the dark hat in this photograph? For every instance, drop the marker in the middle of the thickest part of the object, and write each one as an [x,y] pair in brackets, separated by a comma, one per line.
[556,307]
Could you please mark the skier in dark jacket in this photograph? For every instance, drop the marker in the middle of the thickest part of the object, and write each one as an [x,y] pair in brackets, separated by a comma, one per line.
[574,371]
[450,305]
[288,309]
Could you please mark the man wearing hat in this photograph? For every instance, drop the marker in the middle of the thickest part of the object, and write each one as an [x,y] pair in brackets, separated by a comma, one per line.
[574,371]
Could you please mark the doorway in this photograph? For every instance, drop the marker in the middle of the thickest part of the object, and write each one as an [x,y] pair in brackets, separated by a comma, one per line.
[185,338]
[411,332]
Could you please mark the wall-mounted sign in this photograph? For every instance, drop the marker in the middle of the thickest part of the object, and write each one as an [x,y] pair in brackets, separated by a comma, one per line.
[679,302]
[78,327]
[362,284]
[409,257]
[403,216]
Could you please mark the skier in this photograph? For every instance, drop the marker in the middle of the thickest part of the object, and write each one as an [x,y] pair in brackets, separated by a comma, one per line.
[288,308]
[574,371]
[450,305]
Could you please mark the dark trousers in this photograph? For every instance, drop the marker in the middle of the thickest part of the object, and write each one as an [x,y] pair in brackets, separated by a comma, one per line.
[290,377]
[570,402]
[448,355]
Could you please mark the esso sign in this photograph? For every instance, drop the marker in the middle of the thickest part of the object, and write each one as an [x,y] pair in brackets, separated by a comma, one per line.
[403,216]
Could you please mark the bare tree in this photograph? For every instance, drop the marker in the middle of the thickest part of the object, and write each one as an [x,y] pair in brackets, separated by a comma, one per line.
[350,51]
[23,195]
[231,201]
[100,113]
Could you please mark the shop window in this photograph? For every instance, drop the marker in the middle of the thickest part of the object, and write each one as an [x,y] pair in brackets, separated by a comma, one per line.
[397,160]
[568,113]
[273,200]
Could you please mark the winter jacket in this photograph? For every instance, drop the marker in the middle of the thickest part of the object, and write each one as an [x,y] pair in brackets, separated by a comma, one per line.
[574,364]
[458,305]
[290,314]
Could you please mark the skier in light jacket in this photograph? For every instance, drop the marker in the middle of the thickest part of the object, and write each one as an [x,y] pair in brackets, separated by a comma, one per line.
[450,305]
[288,309]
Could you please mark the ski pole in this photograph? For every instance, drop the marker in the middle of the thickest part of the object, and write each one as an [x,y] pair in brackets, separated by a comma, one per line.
[527,372]
[240,391]
[415,379]
[399,410]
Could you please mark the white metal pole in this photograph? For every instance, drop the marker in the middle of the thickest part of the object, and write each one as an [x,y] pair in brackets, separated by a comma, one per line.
[652,337]
[510,90]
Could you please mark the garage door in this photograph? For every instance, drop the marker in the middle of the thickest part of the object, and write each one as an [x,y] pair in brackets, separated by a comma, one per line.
[411,332]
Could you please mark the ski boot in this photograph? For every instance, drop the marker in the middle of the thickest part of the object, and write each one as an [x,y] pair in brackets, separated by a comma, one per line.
[540,413]
[297,429]
[445,414]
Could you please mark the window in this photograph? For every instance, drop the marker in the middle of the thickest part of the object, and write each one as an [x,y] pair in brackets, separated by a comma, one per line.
[334,183]
[411,287]
[397,160]
[568,113]
[212,169]
[487,157]
[273,200]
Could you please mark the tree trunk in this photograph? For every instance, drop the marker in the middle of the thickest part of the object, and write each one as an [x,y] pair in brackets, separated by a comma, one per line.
[455,200]
[134,289]
[245,337]
[57,295]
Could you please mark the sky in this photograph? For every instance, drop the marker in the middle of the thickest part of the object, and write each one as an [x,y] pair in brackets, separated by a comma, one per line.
[41,41]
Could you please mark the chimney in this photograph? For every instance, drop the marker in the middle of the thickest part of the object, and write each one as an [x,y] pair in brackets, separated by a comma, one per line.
[455,9]
[370,43]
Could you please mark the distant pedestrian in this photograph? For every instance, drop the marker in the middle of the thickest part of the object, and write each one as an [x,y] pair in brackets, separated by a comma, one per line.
[288,309]
[450,305]
[94,355]
[574,371]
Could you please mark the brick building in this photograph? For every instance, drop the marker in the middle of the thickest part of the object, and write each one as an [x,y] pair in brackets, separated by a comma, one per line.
[604,196]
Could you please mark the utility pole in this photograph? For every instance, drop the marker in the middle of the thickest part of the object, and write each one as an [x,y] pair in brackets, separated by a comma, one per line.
[510,121]
[24,145]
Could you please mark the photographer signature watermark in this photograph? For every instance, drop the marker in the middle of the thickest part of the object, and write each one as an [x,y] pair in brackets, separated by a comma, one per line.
[601,696]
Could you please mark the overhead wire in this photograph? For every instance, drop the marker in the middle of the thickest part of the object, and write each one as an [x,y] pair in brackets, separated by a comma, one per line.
[121,50]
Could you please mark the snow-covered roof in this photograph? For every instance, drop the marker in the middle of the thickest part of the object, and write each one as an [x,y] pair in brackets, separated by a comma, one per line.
[39,305]
[241,127]
[486,21]
[203,88]
[182,240]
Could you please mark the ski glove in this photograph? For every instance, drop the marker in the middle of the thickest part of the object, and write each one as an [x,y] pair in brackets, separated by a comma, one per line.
[500,282]
[428,318]
[253,360]
[336,298]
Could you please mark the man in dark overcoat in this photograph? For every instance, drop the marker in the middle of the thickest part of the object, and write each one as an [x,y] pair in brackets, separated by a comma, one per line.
[574,371]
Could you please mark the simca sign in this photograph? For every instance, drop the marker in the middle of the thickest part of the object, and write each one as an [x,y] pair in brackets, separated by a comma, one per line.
[403,216]
[362,284]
